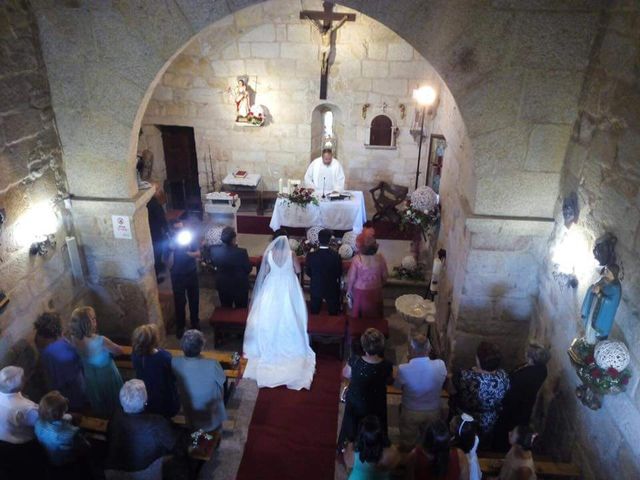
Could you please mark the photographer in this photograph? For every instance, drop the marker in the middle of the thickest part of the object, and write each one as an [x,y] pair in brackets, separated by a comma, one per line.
[184,276]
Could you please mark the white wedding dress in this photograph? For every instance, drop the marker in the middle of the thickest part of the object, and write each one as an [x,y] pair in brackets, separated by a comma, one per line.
[276,343]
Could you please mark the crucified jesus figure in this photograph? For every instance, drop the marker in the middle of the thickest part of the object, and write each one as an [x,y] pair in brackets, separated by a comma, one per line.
[325,39]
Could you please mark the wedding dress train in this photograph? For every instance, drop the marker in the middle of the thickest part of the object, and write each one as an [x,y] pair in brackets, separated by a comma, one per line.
[276,343]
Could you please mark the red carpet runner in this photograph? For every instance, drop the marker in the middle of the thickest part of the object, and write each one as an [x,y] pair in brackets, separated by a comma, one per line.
[293,434]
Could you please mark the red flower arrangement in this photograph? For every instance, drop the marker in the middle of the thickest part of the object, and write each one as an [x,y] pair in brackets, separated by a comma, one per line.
[601,380]
[301,196]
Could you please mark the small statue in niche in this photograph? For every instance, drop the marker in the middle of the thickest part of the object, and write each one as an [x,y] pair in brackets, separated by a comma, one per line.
[570,209]
[604,249]
[242,100]
[600,305]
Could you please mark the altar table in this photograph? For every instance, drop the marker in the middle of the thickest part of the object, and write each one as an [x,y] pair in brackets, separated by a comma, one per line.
[347,214]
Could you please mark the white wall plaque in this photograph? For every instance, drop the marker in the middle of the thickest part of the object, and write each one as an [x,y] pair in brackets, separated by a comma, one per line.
[121,227]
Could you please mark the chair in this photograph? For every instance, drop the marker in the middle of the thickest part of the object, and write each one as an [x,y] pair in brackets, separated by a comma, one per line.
[386,198]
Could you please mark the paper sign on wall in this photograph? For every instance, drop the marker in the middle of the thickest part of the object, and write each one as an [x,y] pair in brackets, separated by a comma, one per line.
[121,227]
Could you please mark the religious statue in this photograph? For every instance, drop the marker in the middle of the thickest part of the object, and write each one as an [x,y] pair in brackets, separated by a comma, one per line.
[325,40]
[242,100]
[600,305]
[604,249]
[570,209]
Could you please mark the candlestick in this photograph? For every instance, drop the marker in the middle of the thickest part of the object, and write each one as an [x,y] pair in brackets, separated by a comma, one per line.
[324,181]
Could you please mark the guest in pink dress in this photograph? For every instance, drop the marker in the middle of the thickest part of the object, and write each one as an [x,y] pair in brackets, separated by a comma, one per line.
[367,275]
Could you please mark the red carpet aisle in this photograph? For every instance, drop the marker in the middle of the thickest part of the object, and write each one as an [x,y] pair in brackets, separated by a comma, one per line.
[293,434]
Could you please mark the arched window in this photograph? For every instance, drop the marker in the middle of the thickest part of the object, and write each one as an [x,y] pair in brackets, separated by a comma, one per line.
[381,132]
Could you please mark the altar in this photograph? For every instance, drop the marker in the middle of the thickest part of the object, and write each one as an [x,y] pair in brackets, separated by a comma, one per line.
[346,214]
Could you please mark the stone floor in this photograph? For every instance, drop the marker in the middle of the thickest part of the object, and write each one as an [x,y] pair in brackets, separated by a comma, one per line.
[240,408]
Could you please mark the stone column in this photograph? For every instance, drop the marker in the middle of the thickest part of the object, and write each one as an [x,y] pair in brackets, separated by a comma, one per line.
[493,287]
[120,272]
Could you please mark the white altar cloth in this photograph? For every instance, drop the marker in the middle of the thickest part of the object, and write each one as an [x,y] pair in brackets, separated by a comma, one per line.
[348,214]
[251,180]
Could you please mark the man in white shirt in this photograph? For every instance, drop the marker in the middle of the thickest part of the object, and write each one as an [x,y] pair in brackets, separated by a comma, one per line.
[421,381]
[325,174]
[18,414]
[20,454]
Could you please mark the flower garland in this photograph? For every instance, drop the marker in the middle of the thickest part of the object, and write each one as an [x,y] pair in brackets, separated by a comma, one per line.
[300,196]
[601,380]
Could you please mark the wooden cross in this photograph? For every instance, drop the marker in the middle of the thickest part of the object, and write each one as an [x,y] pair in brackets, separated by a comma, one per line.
[323,21]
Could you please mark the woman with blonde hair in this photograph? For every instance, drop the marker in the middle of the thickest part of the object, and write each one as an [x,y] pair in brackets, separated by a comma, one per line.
[103,380]
[153,367]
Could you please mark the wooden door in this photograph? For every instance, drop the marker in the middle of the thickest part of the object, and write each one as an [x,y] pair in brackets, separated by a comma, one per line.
[181,160]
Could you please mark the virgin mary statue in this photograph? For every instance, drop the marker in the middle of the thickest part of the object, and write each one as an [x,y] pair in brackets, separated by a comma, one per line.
[276,343]
[600,305]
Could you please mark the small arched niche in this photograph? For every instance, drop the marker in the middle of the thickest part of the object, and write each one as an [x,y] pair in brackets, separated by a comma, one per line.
[381,132]
[326,129]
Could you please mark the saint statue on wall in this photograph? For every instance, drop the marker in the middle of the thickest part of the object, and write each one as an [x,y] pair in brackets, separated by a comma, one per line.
[242,99]
[600,305]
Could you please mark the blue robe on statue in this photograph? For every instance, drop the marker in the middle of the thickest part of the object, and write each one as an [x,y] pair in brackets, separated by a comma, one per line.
[601,308]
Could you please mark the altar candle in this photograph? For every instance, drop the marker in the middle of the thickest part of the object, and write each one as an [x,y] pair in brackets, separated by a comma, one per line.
[280,185]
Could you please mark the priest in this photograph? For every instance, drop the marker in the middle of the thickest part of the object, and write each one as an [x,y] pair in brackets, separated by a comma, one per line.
[325,174]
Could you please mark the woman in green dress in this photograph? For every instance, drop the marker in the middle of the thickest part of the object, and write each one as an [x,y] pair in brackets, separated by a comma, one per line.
[103,380]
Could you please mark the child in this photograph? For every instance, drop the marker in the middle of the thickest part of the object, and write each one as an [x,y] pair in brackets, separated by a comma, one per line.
[518,464]
[465,437]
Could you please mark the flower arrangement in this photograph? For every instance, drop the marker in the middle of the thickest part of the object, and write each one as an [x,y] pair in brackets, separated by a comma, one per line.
[409,272]
[601,380]
[423,219]
[301,196]
[256,116]
[422,210]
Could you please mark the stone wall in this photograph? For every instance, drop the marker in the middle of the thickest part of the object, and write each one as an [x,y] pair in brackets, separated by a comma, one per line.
[32,184]
[602,166]
[279,54]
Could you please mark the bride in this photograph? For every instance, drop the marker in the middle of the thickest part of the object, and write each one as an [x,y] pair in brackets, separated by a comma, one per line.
[275,340]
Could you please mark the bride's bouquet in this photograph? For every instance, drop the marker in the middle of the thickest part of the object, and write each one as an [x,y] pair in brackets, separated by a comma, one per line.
[300,196]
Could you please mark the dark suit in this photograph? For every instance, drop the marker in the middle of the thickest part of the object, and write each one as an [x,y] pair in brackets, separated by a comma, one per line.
[159,230]
[324,267]
[232,268]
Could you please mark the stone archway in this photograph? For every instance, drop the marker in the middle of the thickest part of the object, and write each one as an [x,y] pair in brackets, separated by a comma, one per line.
[515,75]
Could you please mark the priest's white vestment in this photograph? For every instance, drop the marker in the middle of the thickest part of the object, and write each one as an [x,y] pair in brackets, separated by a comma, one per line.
[330,177]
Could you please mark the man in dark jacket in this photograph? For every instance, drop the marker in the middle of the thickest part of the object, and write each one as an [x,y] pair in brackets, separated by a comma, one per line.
[324,267]
[159,229]
[232,269]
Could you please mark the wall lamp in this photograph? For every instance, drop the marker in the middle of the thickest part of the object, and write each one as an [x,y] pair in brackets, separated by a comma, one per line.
[41,247]
[3,216]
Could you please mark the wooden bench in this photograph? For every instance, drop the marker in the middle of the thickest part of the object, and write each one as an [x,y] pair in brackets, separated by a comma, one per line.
[203,452]
[328,328]
[232,370]
[544,469]
[358,325]
[227,320]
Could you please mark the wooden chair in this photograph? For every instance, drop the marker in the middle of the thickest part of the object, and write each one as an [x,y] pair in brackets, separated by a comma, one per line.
[386,198]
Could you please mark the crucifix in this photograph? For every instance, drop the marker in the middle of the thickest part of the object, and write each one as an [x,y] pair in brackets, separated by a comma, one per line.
[323,21]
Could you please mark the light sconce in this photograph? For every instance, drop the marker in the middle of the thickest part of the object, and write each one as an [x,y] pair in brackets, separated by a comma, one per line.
[2,216]
[36,228]
[572,258]
[41,247]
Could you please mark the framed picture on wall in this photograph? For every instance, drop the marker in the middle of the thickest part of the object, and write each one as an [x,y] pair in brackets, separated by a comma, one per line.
[437,146]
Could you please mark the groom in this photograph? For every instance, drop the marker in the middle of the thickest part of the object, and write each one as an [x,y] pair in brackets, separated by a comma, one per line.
[324,267]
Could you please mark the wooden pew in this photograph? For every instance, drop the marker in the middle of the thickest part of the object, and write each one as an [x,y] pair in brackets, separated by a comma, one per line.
[203,453]
[225,358]
[233,372]
[544,469]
